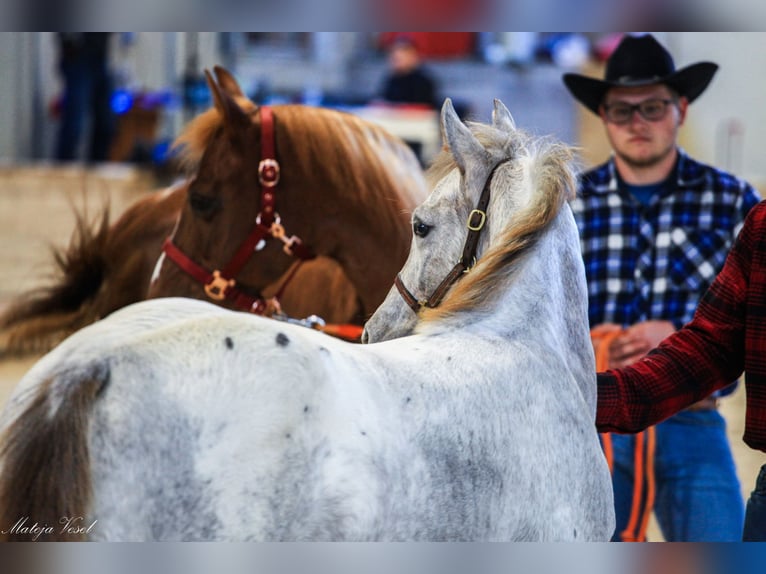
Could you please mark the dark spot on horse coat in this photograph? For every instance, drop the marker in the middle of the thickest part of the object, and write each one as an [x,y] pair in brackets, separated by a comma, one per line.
[282,340]
[229,343]
[364,433]
[306,409]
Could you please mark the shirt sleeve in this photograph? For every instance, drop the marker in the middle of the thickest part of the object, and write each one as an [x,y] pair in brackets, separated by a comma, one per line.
[703,356]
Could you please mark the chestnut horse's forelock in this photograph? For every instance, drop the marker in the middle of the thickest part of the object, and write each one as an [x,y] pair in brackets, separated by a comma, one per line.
[49,434]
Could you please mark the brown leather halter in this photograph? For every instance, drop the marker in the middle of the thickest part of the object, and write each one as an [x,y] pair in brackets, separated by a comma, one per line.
[476,221]
[221,284]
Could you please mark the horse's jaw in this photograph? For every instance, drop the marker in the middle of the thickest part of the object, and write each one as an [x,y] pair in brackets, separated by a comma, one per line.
[393,319]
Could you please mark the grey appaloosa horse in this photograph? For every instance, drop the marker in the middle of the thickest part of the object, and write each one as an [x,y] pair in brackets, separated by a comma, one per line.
[174,419]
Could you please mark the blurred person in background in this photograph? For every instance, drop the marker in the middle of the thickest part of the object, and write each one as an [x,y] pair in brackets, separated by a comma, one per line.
[656,226]
[407,83]
[407,80]
[83,62]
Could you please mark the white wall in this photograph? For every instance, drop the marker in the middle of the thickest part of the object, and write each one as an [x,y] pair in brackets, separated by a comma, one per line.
[735,98]
[9,53]
[22,101]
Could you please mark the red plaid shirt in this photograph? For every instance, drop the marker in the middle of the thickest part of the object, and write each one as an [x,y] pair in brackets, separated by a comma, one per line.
[726,337]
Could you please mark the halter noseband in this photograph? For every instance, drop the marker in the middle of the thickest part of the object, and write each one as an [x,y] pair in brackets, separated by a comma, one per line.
[475,224]
[220,285]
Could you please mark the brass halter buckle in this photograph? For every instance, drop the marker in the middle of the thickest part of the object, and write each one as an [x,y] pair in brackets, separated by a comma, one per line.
[278,232]
[268,172]
[217,287]
[476,226]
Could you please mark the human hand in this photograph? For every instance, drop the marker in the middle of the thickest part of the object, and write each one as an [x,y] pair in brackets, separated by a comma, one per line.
[636,341]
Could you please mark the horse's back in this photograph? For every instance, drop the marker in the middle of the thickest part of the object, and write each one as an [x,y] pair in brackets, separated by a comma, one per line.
[213,425]
[205,424]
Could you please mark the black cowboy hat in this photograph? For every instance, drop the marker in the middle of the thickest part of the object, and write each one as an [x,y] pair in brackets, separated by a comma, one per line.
[641,61]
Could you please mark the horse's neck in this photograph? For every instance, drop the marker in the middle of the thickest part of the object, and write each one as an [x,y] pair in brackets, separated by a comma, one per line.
[372,245]
[546,299]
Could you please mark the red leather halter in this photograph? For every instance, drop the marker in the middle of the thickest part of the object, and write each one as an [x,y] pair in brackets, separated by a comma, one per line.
[221,284]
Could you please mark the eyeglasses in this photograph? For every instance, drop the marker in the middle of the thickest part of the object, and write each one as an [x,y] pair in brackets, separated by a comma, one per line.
[622,112]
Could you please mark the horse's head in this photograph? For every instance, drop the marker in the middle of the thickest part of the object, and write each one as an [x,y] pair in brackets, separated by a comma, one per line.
[274,185]
[487,194]
[222,149]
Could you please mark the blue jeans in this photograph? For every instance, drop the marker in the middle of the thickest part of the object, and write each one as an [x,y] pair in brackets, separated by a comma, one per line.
[755,519]
[698,496]
[87,102]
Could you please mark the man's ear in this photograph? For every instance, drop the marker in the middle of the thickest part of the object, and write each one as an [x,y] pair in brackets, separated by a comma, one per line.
[683,105]
[602,112]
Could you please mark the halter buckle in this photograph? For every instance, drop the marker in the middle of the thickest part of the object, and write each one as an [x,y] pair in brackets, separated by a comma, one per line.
[268,172]
[217,287]
[278,232]
[482,219]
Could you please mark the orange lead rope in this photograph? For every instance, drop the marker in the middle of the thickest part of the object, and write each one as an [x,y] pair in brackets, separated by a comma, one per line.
[348,332]
[643,469]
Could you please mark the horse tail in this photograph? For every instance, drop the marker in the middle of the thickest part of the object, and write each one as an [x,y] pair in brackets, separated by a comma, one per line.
[39,319]
[45,462]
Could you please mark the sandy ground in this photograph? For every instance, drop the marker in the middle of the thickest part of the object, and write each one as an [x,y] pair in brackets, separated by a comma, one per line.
[36,212]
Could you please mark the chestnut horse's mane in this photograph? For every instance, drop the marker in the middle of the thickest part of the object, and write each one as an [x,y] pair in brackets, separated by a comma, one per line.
[359,156]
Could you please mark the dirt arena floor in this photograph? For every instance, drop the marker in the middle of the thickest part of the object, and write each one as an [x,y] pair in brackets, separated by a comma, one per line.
[36,211]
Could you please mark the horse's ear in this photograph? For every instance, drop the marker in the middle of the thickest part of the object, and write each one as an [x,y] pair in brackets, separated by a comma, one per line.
[502,118]
[227,82]
[233,115]
[465,148]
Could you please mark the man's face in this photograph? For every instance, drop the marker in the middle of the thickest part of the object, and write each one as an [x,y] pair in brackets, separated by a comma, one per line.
[403,58]
[636,140]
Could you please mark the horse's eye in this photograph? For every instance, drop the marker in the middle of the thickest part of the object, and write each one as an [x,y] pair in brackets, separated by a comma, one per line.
[420,229]
[203,205]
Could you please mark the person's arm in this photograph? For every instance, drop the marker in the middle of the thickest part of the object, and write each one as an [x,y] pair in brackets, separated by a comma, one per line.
[703,356]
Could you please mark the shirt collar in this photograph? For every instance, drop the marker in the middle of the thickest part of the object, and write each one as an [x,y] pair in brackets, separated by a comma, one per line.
[687,172]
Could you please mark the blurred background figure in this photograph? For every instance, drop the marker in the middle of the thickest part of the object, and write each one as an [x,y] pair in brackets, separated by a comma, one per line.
[408,81]
[86,100]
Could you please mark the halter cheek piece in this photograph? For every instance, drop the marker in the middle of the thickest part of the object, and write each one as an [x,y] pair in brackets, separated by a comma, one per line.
[475,224]
[220,285]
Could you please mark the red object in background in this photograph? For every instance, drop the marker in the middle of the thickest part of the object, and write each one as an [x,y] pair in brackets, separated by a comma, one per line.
[431,44]
[606,45]
[55,106]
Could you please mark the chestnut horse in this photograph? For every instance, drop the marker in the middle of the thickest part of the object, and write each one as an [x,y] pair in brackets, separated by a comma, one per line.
[274,186]
[340,176]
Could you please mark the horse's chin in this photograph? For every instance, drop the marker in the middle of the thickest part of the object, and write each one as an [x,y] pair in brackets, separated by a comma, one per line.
[378,329]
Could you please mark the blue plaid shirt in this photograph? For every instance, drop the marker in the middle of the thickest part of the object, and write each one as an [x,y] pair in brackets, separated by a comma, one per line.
[656,261]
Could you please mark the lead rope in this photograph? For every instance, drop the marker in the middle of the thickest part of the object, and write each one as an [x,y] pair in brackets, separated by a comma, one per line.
[643,457]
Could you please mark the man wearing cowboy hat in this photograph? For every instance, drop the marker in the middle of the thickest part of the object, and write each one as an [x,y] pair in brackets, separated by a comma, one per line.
[656,227]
